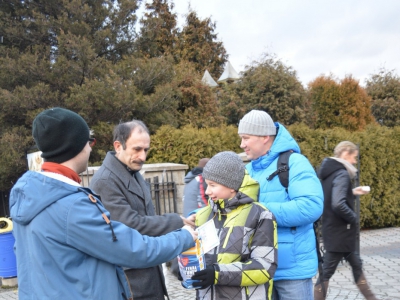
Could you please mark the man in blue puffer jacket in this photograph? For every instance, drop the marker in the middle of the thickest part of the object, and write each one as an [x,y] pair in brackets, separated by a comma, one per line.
[295,209]
[65,243]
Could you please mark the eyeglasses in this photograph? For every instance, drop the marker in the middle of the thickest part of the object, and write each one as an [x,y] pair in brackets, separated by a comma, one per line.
[92,142]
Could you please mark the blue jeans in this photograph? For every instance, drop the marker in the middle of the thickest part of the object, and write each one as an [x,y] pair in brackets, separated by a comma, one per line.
[301,289]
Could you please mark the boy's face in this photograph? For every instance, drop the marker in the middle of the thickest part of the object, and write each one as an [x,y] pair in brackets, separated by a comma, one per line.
[218,191]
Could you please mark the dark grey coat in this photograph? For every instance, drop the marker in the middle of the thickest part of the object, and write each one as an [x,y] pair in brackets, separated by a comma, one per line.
[339,218]
[128,199]
[192,195]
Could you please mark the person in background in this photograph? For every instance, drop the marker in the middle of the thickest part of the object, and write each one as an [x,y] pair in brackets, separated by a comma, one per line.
[295,208]
[194,196]
[243,263]
[126,195]
[339,219]
[65,243]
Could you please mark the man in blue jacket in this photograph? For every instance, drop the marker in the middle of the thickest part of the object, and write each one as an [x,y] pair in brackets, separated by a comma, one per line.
[65,243]
[295,209]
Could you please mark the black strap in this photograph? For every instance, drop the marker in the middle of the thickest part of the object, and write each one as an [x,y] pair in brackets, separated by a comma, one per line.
[282,169]
[94,200]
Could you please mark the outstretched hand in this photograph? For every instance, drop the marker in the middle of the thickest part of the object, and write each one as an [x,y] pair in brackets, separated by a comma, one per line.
[189,220]
[192,232]
[206,277]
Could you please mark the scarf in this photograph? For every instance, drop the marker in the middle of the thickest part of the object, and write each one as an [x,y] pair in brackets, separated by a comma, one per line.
[60,169]
[349,167]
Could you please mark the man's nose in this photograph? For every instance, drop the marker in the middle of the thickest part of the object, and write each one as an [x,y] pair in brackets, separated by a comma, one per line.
[142,155]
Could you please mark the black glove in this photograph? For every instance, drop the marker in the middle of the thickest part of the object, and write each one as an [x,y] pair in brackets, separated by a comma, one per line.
[206,277]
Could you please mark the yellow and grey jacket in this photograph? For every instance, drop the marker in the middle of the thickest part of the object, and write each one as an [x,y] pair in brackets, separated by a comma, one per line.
[246,258]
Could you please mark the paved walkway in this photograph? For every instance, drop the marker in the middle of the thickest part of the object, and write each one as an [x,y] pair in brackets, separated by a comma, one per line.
[380,251]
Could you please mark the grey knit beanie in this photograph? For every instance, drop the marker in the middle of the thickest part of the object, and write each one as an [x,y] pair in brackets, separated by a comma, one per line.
[257,122]
[225,168]
[60,134]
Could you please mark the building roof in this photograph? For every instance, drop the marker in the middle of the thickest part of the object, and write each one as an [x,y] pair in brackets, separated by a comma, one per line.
[229,74]
[207,79]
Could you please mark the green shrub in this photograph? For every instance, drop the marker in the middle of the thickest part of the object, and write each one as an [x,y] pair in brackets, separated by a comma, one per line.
[188,144]
[379,158]
[379,166]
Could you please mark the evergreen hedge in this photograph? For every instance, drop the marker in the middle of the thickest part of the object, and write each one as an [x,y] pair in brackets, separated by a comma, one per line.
[379,159]
[189,144]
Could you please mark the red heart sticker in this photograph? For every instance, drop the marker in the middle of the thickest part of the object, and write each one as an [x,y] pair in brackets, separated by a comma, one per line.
[185,261]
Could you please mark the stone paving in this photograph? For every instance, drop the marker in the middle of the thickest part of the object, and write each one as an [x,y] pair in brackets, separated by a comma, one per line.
[380,252]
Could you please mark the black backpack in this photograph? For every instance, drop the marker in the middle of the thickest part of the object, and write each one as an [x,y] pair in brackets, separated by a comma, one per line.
[283,173]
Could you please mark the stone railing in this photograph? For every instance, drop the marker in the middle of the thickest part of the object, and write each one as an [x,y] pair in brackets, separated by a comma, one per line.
[164,172]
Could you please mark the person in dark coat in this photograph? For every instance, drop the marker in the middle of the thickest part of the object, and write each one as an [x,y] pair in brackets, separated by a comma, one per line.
[126,195]
[339,220]
[194,196]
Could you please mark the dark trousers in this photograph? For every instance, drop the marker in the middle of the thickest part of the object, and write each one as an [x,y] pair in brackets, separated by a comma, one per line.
[332,259]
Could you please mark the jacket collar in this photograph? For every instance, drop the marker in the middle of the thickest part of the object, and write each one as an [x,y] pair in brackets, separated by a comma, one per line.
[248,193]
[227,205]
[134,183]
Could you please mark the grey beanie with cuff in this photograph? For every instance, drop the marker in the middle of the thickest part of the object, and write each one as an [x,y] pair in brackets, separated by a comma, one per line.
[225,168]
[257,122]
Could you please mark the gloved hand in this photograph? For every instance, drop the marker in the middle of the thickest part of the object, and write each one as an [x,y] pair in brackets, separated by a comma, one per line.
[206,277]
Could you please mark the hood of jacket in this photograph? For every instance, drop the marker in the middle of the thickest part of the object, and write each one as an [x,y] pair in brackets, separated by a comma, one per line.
[283,142]
[248,193]
[24,206]
[328,167]
[192,174]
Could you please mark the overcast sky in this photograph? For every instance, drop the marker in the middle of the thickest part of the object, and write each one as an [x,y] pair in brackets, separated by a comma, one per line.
[357,37]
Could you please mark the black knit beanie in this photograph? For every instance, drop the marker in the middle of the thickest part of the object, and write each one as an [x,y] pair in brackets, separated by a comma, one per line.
[60,134]
[226,168]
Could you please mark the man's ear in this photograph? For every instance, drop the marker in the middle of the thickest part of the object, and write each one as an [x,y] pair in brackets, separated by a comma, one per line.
[117,146]
[265,139]
[267,142]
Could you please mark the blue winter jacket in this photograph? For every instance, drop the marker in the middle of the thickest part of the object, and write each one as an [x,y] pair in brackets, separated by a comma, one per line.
[65,248]
[295,210]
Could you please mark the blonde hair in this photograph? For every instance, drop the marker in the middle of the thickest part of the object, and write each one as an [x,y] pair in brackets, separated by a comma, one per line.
[344,146]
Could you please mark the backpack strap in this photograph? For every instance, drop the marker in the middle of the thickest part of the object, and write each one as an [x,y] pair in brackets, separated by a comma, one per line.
[282,169]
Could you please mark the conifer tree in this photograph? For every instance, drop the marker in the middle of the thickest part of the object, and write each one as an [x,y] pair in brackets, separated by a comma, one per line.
[158,32]
[198,44]
[384,89]
[269,85]
[47,48]
[341,103]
